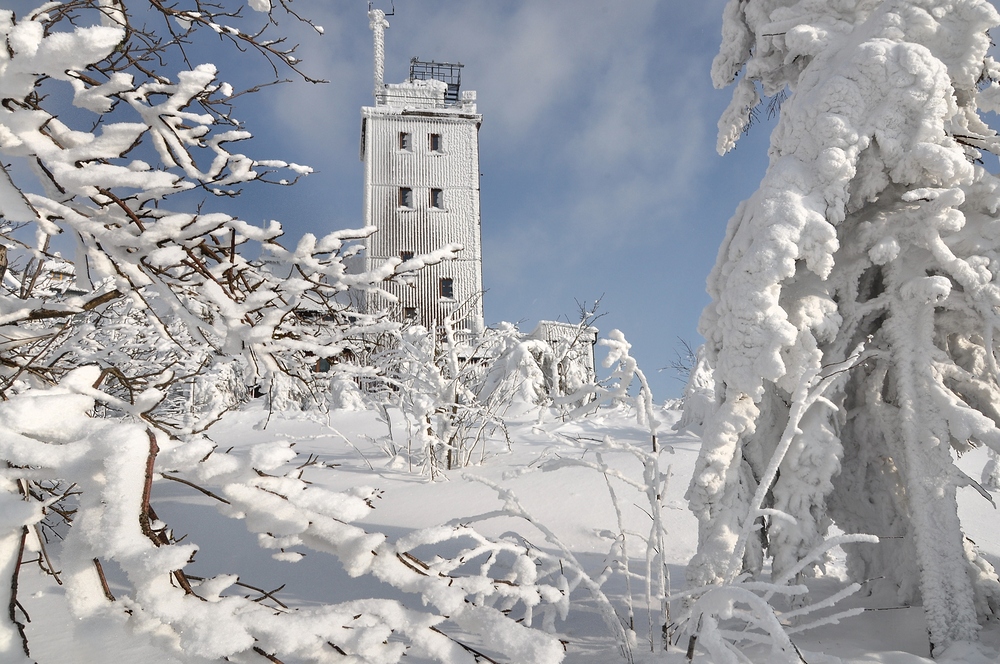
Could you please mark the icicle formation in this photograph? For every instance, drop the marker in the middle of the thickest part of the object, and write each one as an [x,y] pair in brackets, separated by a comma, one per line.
[874,225]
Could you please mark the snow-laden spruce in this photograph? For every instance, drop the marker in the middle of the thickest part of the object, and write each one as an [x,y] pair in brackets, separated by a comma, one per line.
[873,233]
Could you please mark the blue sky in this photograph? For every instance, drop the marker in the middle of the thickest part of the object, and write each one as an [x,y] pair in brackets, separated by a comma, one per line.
[600,176]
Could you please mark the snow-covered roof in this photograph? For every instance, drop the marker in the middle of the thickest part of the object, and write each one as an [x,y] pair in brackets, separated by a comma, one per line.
[553,330]
[424,95]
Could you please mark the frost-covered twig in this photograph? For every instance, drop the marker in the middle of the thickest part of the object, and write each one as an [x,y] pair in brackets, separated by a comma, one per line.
[512,507]
[615,388]
[652,485]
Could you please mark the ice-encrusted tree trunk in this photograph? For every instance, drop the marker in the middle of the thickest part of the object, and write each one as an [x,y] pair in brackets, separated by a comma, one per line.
[875,225]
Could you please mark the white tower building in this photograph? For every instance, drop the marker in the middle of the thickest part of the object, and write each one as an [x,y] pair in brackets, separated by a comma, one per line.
[420,148]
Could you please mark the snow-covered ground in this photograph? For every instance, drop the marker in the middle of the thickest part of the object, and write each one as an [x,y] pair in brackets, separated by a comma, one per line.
[573,502]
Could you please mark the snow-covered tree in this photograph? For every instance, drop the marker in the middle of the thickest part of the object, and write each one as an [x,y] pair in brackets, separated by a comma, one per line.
[514,367]
[130,184]
[872,241]
[699,394]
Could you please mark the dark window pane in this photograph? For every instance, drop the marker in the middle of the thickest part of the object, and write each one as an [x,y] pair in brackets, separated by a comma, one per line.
[405,197]
[447,287]
[437,198]
[435,142]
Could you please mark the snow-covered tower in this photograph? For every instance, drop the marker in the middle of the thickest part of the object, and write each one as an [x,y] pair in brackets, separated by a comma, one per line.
[420,148]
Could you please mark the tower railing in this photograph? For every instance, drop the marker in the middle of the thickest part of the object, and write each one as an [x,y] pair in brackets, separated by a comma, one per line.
[449,73]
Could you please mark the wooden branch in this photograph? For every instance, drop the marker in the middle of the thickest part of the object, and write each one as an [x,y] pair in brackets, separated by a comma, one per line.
[195,486]
[122,378]
[14,604]
[147,515]
[272,658]
[48,567]
[104,580]
[90,305]
[406,559]
[125,208]
[479,655]
[145,510]
[269,594]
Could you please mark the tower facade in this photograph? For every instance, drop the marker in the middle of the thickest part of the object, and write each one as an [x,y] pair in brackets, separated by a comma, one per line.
[420,148]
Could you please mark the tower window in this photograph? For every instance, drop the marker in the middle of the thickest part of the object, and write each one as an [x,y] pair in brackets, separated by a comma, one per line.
[406,255]
[404,140]
[405,197]
[447,287]
[409,313]
[435,143]
[437,199]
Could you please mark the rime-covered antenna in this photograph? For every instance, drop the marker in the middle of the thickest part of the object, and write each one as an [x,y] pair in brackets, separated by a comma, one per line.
[378,24]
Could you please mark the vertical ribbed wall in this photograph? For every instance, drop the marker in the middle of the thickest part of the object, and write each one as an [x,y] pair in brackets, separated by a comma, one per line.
[422,229]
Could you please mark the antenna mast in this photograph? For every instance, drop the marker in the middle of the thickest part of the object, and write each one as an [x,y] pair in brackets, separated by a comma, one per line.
[378,24]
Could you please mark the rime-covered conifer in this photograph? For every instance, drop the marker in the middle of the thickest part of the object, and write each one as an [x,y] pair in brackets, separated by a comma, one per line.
[874,228]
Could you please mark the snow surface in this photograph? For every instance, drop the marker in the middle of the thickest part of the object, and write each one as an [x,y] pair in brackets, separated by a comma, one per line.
[571,501]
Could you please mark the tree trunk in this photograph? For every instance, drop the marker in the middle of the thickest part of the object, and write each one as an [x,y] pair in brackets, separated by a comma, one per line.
[929,480]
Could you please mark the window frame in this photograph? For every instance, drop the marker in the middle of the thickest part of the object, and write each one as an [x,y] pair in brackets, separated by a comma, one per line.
[435,198]
[435,143]
[446,288]
[405,198]
[405,143]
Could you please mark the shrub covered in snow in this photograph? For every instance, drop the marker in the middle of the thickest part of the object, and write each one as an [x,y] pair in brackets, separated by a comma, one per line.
[172,296]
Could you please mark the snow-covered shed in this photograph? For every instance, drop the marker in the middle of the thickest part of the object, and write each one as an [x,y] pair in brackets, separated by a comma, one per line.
[573,349]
